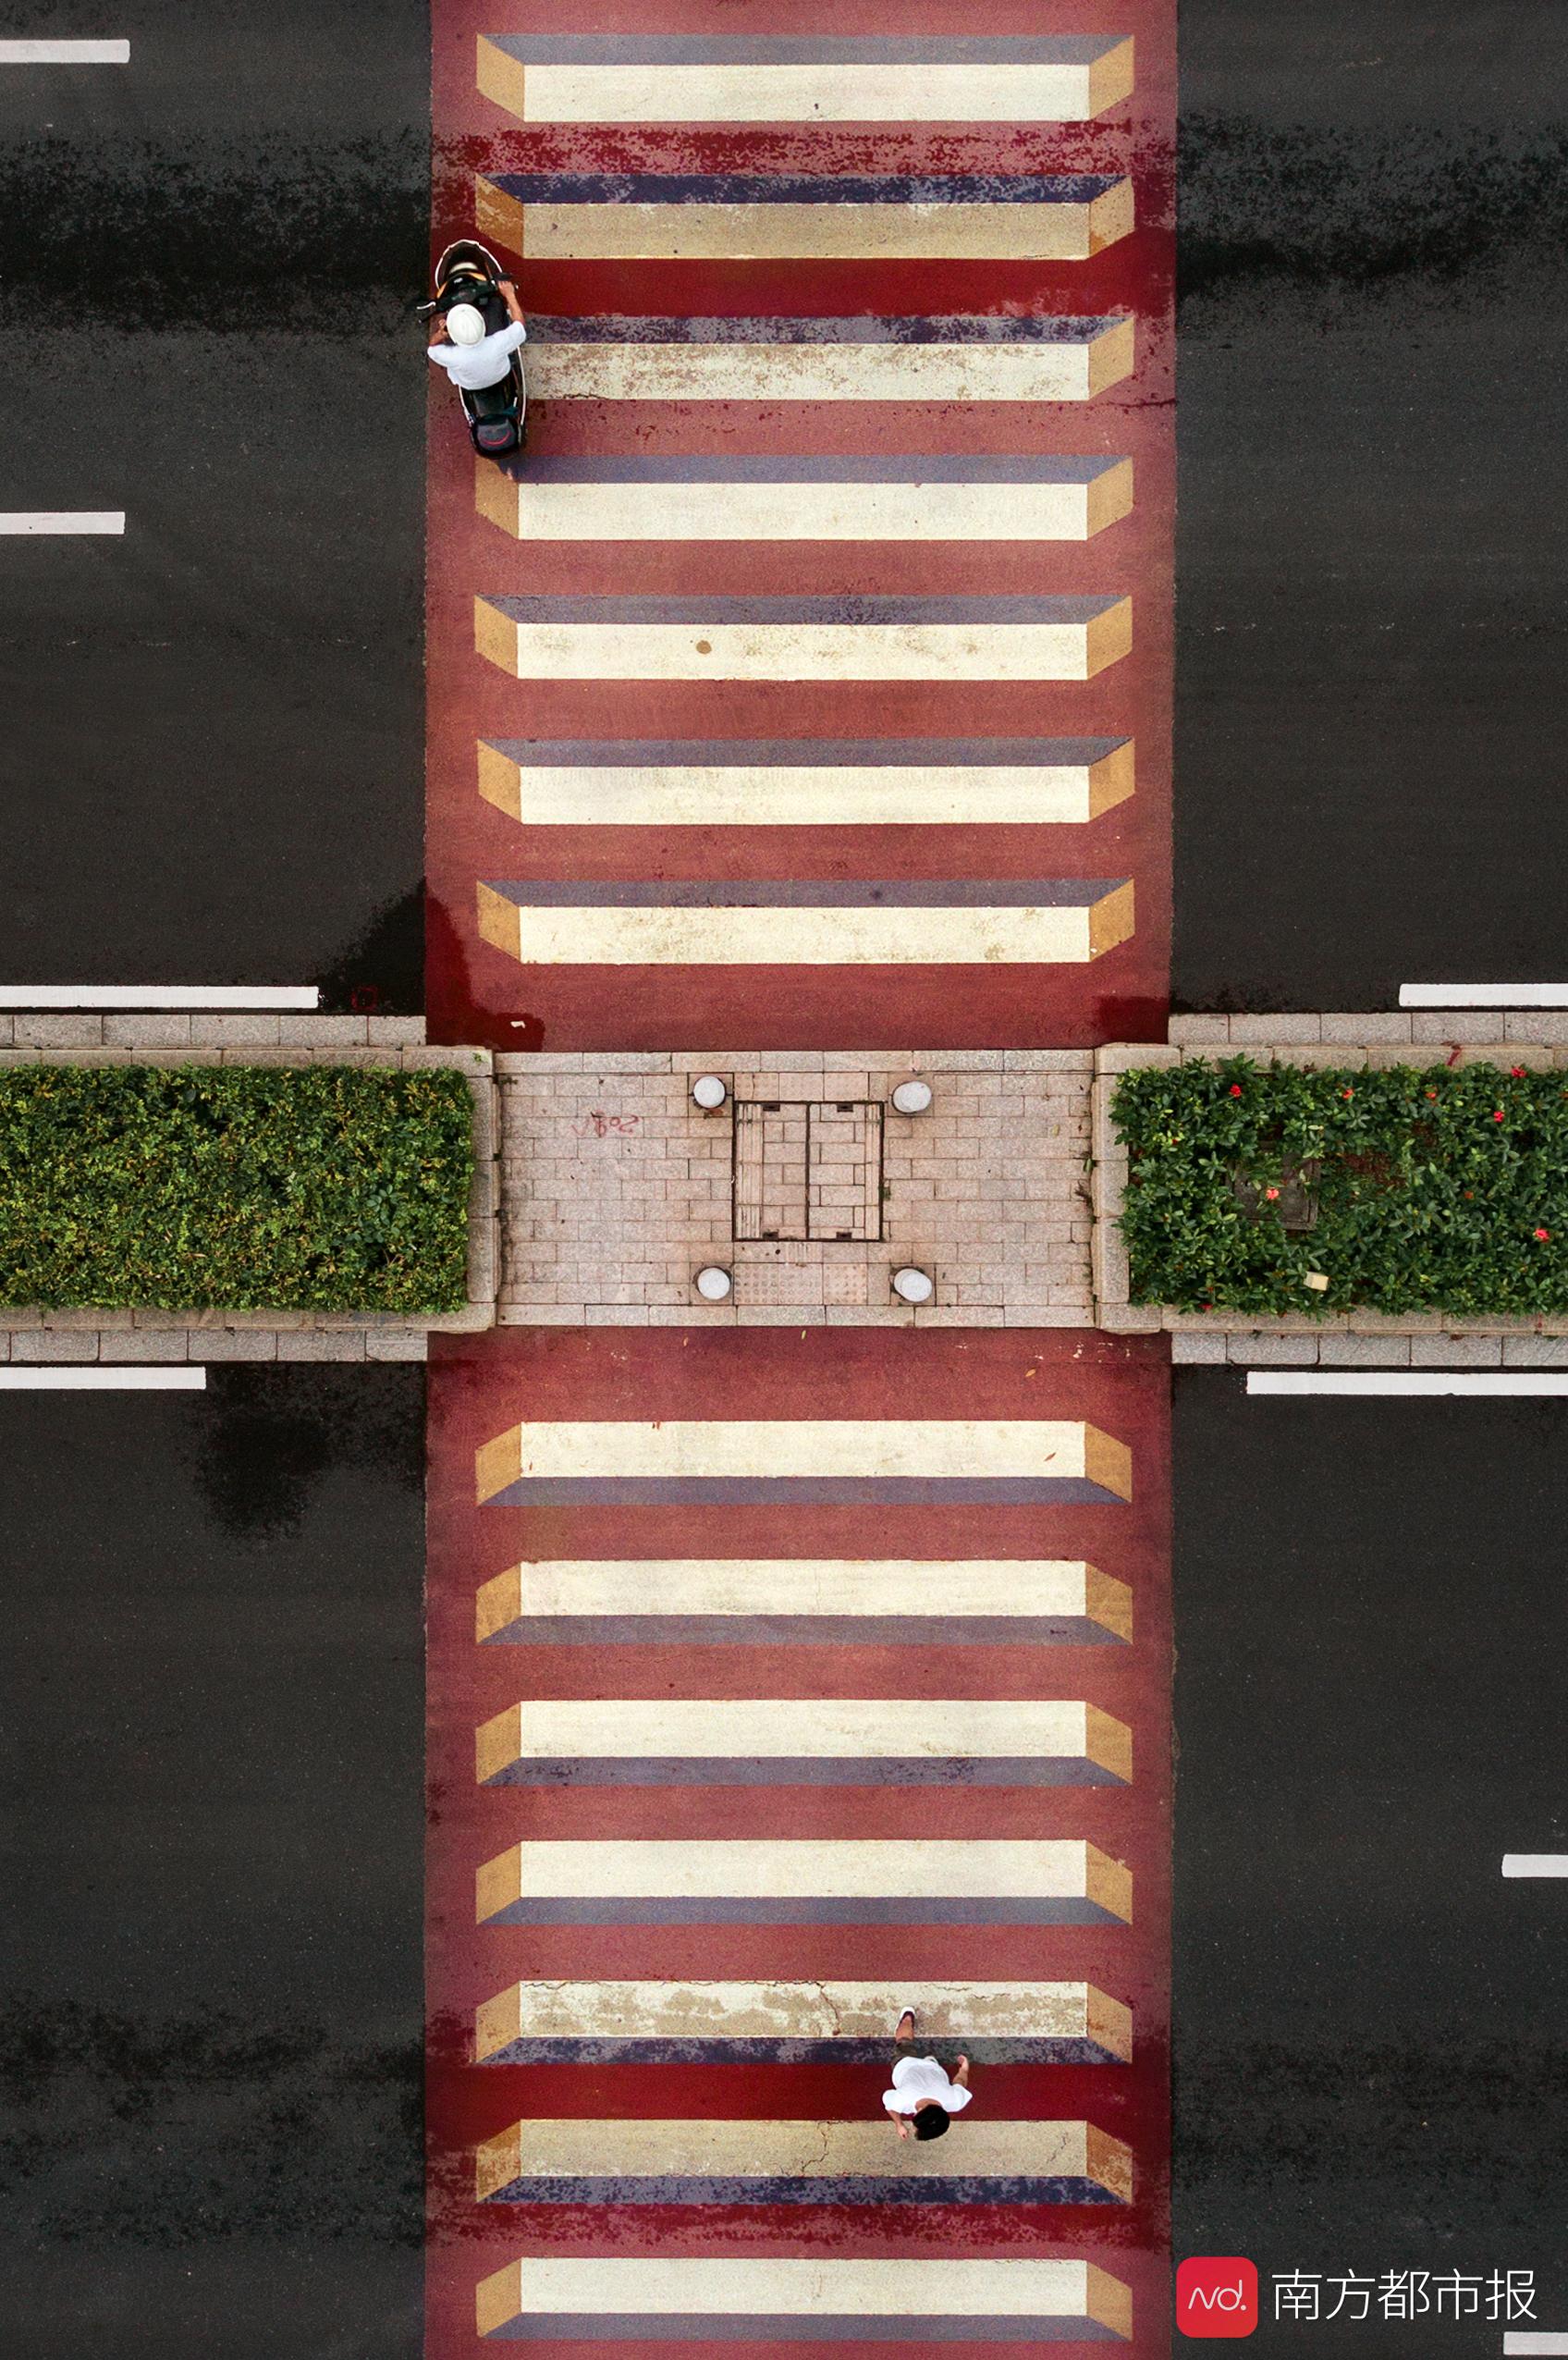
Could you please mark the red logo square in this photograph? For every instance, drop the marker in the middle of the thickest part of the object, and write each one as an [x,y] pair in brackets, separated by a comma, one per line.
[1216,2294]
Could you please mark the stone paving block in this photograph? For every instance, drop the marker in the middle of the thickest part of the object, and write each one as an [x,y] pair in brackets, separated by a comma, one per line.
[235,1031]
[1445,1026]
[1048,1060]
[1268,1031]
[1199,1031]
[46,1031]
[1381,1026]
[1534,1055]
[1546,1024]
[9,1057]
[1323,1056]
[437,1059]
[1130,1319]
[1456,1351]
[47,1346]
[1198,1351]
[1535,1351]
[234,1344]
[397,1343]
[7,1031]
[542,1315]
[1274,1351]
[313,1344]
[304,1031]
[146,1344]
[1121,1057]
[395,1032]
[147,1032]
[1364,1352]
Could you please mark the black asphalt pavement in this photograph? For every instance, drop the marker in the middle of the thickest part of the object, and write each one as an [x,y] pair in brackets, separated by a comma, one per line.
[213,1868]
[1373,581]
[213,727]
[1371,2025]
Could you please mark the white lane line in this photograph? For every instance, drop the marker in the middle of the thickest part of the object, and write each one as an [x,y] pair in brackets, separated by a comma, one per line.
[1524,2340]
[65,53]
[100,1379]
[62,519]
[200,996]
[1482,995]
[1406,1380]
[1535,1863]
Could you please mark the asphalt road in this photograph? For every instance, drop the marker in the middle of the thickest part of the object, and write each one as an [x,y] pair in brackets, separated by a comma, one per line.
[1370,2054]
[212,1867]
[213,758]
[1373,587]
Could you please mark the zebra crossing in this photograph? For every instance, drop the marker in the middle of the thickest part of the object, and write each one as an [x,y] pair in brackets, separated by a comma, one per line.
[765,481]
[727,1815]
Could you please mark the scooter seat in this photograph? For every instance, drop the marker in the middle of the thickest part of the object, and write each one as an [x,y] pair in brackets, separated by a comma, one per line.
[494,401]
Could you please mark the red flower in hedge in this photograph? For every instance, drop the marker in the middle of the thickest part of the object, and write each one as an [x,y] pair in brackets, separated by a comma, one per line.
[1431,1093]
[1236,1090]
[1271,1193]
[1543,1235]
[1517,1072]
[1347,1093]
[1498,1116]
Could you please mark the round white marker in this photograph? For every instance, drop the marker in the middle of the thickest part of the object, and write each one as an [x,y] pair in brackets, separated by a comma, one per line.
[714,1285]
[912,1285]
[913,1098]
[710,1091]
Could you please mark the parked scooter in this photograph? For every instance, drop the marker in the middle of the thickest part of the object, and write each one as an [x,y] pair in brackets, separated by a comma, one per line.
[497,414]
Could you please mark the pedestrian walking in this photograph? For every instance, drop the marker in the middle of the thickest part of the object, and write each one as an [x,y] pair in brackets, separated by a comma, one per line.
[923,2099]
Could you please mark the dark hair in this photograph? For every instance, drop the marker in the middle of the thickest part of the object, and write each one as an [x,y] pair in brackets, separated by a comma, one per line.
[930,2121]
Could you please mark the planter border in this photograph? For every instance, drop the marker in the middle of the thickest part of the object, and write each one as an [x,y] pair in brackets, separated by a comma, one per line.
[1537,1038]
[397,1044]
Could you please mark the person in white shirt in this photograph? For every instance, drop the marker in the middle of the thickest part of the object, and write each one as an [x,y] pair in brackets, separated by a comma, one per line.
[470,358]
[923,2100]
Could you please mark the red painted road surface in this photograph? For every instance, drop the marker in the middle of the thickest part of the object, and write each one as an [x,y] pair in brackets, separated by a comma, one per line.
[478,992]
[481,1388]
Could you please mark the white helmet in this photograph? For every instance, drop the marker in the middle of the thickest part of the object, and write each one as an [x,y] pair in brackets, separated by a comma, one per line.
[465,324]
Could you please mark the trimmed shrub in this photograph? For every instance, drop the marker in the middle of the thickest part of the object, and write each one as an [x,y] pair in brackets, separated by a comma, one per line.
[1434,1189]
[194,1188]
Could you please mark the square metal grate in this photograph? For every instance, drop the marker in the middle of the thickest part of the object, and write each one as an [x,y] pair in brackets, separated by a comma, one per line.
[808,1169]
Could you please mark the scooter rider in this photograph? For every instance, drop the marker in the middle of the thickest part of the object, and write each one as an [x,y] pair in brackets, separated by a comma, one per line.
[470,358]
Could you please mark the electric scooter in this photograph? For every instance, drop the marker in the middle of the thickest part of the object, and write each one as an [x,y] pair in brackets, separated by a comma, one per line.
[497,415]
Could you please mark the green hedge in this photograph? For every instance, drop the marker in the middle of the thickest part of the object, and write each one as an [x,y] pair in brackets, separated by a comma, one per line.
[318,1188]
[1434,1188]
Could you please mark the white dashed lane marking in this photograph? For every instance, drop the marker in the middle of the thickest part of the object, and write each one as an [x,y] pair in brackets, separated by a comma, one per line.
[65,53]
[40,520]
